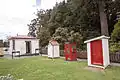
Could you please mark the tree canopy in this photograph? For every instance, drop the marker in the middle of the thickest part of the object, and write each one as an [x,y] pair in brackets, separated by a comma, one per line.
[75,21]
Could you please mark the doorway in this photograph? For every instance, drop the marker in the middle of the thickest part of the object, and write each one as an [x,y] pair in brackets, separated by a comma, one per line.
[28,47]
[96,52]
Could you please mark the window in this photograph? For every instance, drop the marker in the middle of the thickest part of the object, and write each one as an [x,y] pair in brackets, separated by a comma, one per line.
[13,44]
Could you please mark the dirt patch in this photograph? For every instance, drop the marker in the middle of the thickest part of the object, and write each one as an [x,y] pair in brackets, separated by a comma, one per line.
[47,59]
[94,69]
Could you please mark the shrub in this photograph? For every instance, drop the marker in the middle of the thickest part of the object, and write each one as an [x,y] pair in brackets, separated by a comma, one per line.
[116,32]
[114,47]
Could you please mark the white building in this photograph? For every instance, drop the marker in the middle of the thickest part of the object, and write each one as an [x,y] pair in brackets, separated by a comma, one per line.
[53,49]
[98,52]
[24,44]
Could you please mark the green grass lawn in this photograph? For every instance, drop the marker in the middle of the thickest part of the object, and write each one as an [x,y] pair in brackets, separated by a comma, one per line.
[42,68]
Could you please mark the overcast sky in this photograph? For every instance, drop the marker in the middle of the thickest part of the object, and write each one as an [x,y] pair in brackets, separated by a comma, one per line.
[16,14]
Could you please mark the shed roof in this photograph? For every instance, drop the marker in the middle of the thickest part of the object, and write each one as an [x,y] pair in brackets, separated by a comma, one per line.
[54,43]
[22,37]
[101,37]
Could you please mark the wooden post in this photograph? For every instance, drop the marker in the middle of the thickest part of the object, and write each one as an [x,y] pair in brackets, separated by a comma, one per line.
[40,51]
[35,52]
[19,53]
[12,55]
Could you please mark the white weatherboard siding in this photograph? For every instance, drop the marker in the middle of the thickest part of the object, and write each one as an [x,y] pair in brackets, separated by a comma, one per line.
[10,47]
[34,45]
[89,54]
[20,45]
[50,50]
[105,52]
[56,51]
[53,51]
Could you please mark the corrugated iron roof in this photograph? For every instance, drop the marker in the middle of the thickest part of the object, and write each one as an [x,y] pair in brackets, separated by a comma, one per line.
[53,42]
[22,37]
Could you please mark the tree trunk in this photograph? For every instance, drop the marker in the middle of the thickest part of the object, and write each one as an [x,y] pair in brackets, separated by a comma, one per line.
[103,19]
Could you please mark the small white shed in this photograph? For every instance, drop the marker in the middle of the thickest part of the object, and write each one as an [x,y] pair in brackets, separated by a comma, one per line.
[98,52]
[24,44]
[53,49]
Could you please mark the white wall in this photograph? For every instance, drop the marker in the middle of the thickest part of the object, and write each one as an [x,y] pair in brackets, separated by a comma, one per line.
[56,51]
[89,54]
[34,44]
[10,47]
[105,52]
[20,45]
[53,51]
[50,50]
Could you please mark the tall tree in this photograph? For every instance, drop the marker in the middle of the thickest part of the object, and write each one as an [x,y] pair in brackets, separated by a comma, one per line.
[42,26]
[32,28]
[82,18]
[103,18]
[106,9]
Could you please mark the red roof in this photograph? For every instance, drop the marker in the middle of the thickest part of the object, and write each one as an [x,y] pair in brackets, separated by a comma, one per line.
[22,37]
[53,42]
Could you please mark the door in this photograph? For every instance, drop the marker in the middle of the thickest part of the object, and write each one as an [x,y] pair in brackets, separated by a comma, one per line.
[96,52]
[28,46]
[67,51]
[13,44]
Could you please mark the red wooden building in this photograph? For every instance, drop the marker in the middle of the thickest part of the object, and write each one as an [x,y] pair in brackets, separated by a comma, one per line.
[98,52]
[70,51]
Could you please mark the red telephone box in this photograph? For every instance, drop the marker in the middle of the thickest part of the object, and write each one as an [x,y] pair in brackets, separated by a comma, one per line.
[70,52]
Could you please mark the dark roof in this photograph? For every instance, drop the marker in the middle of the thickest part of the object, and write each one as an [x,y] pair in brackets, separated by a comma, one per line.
[53,42]
[22,37]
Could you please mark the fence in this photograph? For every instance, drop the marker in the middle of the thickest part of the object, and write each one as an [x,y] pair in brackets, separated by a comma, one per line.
[43,51]
[82,55]
[114,57]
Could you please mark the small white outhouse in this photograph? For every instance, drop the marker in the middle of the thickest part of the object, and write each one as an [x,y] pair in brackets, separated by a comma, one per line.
[53,49]
[98,52]
[25,44]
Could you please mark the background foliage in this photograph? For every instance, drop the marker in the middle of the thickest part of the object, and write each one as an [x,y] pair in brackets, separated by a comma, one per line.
[74,21]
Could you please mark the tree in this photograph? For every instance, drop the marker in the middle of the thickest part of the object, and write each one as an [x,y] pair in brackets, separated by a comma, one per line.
[32,28]
[77,20]
[63,35]
[42,24]
[103,19]
[57,18]
[43,36]
[116,32]
[106,10]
